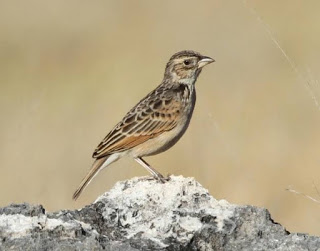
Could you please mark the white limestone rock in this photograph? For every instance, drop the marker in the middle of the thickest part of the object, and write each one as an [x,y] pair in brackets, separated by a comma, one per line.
[144,214]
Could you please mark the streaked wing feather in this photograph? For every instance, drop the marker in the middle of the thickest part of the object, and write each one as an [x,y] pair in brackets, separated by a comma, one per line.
[150,118]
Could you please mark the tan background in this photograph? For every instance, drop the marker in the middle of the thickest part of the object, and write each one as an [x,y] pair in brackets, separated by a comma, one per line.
[70,70]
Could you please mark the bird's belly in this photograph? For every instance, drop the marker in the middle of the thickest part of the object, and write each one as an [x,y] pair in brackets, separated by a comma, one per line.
[160,143]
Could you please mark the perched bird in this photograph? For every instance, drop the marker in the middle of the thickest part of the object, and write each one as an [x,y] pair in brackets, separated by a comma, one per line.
[157,122]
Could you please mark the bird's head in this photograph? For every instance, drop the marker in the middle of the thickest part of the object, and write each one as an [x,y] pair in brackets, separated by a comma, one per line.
[185,66]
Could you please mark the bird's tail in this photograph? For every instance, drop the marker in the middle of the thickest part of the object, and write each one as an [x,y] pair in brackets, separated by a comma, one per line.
[97,165]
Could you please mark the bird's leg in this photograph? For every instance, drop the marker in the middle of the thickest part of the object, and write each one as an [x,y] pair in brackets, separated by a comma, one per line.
[153,171]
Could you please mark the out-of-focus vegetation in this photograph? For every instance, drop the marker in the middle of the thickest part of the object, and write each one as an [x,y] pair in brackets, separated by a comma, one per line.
[69,71]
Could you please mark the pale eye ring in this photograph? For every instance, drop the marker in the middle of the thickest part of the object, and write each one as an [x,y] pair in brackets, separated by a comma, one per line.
[187,62]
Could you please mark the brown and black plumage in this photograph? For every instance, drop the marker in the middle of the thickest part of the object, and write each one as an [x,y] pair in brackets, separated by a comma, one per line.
[157,122]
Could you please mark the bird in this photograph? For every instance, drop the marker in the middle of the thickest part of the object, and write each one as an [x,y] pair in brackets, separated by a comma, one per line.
[155,123]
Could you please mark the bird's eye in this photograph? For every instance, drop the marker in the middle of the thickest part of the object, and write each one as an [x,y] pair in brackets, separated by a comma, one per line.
[186,62]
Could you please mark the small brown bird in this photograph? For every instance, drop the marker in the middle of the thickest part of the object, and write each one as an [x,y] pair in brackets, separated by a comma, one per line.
[157,122]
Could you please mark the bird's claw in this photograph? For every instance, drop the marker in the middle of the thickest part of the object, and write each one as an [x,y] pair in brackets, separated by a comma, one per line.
[159,178]
[162,179]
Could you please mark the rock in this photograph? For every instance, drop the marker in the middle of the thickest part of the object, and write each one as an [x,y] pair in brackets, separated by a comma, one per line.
[143,214]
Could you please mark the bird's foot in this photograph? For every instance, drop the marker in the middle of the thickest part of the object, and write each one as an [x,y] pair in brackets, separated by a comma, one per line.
[162,179]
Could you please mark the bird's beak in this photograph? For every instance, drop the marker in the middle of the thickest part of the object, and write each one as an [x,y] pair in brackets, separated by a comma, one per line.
[204,61]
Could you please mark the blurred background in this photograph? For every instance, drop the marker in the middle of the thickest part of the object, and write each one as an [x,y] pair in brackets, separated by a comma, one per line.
[70,70]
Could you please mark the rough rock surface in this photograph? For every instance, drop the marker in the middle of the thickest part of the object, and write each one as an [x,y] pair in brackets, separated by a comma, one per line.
[143,214]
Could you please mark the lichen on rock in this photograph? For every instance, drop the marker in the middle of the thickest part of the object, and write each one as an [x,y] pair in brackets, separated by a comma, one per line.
[144,214]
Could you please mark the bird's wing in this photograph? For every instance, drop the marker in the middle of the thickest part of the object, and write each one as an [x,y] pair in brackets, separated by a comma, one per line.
[158,112]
